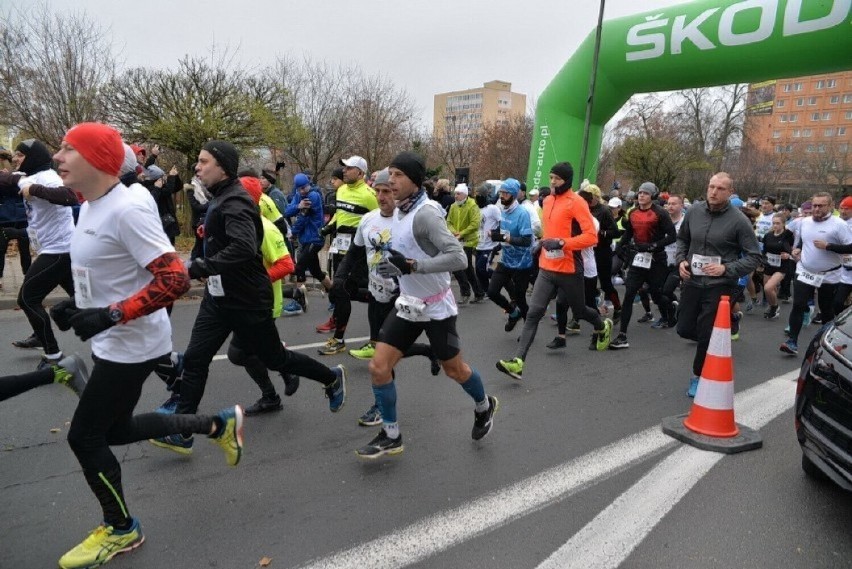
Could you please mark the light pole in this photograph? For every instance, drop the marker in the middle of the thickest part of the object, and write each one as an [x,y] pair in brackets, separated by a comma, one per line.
[590,100]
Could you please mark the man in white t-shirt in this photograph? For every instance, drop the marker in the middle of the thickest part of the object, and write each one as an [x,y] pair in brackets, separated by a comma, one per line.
[125,273]
[489,220]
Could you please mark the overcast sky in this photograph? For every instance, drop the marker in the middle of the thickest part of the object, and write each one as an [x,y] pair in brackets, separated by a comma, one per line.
[425,46]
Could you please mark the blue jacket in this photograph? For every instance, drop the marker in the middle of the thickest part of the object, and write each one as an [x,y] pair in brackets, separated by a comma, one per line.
[307,223]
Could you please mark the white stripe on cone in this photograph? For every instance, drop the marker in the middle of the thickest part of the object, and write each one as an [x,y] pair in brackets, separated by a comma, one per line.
[716,395]
[720,342]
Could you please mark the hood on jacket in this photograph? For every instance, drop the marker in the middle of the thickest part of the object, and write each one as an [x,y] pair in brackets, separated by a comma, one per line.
[37,156]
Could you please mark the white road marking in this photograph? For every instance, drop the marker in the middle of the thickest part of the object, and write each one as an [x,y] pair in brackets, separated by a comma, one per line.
[612,535]
[354,341]
[444,530]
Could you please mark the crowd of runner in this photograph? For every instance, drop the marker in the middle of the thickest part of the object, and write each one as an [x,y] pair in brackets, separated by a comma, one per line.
[397,240]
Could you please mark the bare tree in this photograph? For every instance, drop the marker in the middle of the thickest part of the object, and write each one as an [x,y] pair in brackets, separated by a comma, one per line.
[503,149]
[53,67]
[455,147]
[712,120]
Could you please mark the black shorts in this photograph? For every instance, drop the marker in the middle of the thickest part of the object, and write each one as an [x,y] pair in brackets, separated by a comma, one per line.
[401,334]
[786,267]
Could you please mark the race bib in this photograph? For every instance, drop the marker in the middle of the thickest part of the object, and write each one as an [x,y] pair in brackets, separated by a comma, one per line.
[382,289]
[670,256]
[701,261]
[82,287]
[642,260]
[340,243]
[773,260]
[411,308]
[214,285]
[555,254]
[809,278]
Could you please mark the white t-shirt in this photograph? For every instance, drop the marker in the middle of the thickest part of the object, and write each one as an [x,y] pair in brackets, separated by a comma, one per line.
[534,219]
[590,267]
[374,234]
[763,224]
[49,225]
[489,218]
[116,237]
[831,230]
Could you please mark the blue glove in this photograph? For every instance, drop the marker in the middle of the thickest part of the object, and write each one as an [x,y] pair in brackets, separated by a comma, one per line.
[91,321]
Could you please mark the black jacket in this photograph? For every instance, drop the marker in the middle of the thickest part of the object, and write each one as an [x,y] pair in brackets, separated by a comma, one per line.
[663,234]
[607,230]
[233,234]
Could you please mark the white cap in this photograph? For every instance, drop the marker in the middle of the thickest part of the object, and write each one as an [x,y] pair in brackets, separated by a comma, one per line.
[615,202]
[533,192]
[462,188]
[355,162]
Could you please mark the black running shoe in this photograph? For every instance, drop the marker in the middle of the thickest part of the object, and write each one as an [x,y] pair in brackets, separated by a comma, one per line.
[648,317]
[435,366]
[380,446]
[482,422]
[511,322]
[556,343]
[31,343]
[264,405]
[291,384]
[619,343]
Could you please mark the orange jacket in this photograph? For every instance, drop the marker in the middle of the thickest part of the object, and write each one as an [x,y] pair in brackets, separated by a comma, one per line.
[567,217]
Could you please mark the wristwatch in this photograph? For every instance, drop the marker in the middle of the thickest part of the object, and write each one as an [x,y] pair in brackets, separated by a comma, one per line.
[116,315]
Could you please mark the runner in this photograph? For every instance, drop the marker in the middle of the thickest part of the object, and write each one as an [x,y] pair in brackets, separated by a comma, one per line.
[70,371]
[125,273]
[567,229]
[674,207]
[777,245]
[424,254]
[486,248]
[647,230]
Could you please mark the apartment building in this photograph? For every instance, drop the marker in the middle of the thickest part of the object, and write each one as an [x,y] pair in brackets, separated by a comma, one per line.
[462,114]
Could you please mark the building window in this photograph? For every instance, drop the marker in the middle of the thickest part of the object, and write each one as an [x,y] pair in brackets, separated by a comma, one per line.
[834,99]
[800,102]
[787,88]
[820,84]
[843,147]
[776,134]
[821,148]
[849,115]
[832,83]
[796,133]
[788,148]
[841,131]
[782,118]
[828,132]
[815,117]
[780,104]
[794,117]
[847,98]
[810,148]
[797,87]
[807,133]
[826,116]
[812,101]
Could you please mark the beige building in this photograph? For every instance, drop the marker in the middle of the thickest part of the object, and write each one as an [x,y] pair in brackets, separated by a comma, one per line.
[805,124]
[461,115]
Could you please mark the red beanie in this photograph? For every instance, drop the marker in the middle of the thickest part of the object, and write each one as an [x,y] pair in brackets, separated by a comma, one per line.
[99,144]
[252,186]
[846,203]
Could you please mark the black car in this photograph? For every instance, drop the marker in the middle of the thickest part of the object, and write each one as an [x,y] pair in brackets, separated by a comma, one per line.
[824,403]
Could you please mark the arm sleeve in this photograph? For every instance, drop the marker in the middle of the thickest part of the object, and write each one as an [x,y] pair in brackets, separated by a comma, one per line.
[627,234]
[170,281]
[668,228]
[59,196]
[281,268]
[433,236]
[608,228]
[9,184]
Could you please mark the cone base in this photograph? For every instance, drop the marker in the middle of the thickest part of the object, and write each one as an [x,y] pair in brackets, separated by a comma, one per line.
[747,439]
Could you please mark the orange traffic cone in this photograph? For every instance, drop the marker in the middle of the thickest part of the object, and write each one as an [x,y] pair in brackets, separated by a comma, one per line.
[710,424]
[713,407]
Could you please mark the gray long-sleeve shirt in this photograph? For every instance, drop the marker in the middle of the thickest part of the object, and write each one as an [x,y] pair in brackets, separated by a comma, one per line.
[432,235]
[726,233]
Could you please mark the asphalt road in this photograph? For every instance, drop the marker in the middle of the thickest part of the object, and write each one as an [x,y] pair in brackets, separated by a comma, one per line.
[575,473]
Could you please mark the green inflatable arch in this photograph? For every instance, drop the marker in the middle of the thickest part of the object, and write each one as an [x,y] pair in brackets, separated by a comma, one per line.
[697,44]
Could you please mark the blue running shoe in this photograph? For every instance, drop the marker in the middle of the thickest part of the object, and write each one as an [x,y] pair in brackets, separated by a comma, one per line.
[336,391]
[693,386]
[177,443]
[169,406]
[292,308]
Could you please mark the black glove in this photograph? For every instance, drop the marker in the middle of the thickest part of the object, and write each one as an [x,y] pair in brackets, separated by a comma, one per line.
[327,229]
[496,236]
[394,265]
[536,249]
[62,313]
[642,247]
[90,321]
[198,269]
[621,253]
[552,244]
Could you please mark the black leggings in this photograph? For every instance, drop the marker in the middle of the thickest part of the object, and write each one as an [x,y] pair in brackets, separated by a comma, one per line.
[20,235]
[636,277]
[515,281]
[802,293]
[308,262]
[104,418]
[12,385]
[46,273]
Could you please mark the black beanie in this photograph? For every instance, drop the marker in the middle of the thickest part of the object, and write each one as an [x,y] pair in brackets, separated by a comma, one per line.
[37,156]
[226,154]
[412,165]
[565,171]
[269,176]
